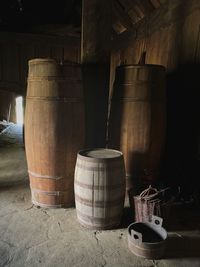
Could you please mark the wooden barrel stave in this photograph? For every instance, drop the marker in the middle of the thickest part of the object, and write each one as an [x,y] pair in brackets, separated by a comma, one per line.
[138,118]
[54,112]
[99,191]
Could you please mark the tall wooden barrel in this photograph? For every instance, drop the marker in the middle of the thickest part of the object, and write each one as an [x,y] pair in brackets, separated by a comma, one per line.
[54,130]
[138,120]
[99,188]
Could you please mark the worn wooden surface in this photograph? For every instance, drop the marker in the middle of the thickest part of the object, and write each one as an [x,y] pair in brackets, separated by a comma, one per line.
[95,57]
[168,14]
[171,37]
[137,121]
[99,188]
[16,49]
[96,31]
[54,130]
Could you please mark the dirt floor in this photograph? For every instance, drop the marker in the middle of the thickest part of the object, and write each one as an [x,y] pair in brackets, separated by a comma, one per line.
[33,236]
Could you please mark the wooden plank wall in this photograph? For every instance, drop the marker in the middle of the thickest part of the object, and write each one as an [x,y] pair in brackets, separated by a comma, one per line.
[173,45]
[17,49]
[171,37]
[175,42]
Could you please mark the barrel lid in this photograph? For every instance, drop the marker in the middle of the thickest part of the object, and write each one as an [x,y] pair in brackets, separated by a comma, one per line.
[133,66]
[100,153]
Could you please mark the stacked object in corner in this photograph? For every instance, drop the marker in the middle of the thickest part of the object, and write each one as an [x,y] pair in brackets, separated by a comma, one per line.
[137,121]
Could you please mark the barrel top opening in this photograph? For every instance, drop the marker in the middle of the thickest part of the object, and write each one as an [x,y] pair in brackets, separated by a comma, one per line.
[133,66]
[100,153]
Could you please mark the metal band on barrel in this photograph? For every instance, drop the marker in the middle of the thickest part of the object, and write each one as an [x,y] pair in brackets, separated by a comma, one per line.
[51,78]
[36,203]
[93,219]
[49,193]
[37,175]
[137,99]
[100,204]
[57,98]
[107,168]
[100,187]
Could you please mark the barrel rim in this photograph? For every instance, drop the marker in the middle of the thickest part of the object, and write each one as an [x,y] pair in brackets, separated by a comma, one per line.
[130,66]
[80,155]
[148,224]
[33,60]
[65,63]
[52,206]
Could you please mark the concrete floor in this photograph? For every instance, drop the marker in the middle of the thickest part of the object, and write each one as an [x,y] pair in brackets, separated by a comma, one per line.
[13,168]
[32,236]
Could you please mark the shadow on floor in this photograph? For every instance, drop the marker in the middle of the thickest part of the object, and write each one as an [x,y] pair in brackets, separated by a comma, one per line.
[14,184]
[183,217]
[127,218]
[180,217]
[13,166]
[182,246]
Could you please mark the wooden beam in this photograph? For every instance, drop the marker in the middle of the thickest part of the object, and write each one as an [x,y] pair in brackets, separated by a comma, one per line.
[95,58]
[136,14]
[122,16]
[117,27]
[164,16]
[96,31]
[127,4]
[155,3]
[146,6]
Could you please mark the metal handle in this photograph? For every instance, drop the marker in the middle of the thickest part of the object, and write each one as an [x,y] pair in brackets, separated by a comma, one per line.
[156,221]
[136,236]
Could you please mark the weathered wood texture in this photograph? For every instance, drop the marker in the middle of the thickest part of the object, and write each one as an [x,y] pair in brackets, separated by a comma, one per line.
[99,188]
[95,57]
[121,19]
[17,49]
[138,119]
[54,130]
[96,31]
[170,36]
[96,91]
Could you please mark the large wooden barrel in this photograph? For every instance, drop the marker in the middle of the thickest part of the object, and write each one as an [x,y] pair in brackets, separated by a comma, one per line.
[54,130]
[99,188]
[138,120]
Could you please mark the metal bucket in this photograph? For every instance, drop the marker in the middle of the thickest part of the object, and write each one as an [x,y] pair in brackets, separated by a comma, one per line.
[147,239]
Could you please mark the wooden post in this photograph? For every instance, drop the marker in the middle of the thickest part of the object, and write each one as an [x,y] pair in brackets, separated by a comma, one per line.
[95,57]
[96,31]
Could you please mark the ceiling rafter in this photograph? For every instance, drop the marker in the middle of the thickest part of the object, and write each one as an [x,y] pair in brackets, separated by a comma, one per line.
[121,15]
[145,6]
[129,12]
[155,3]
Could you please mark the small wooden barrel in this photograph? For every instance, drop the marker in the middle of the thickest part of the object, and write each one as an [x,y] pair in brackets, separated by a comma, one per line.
[138,118]
[99,188]
[54,112]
